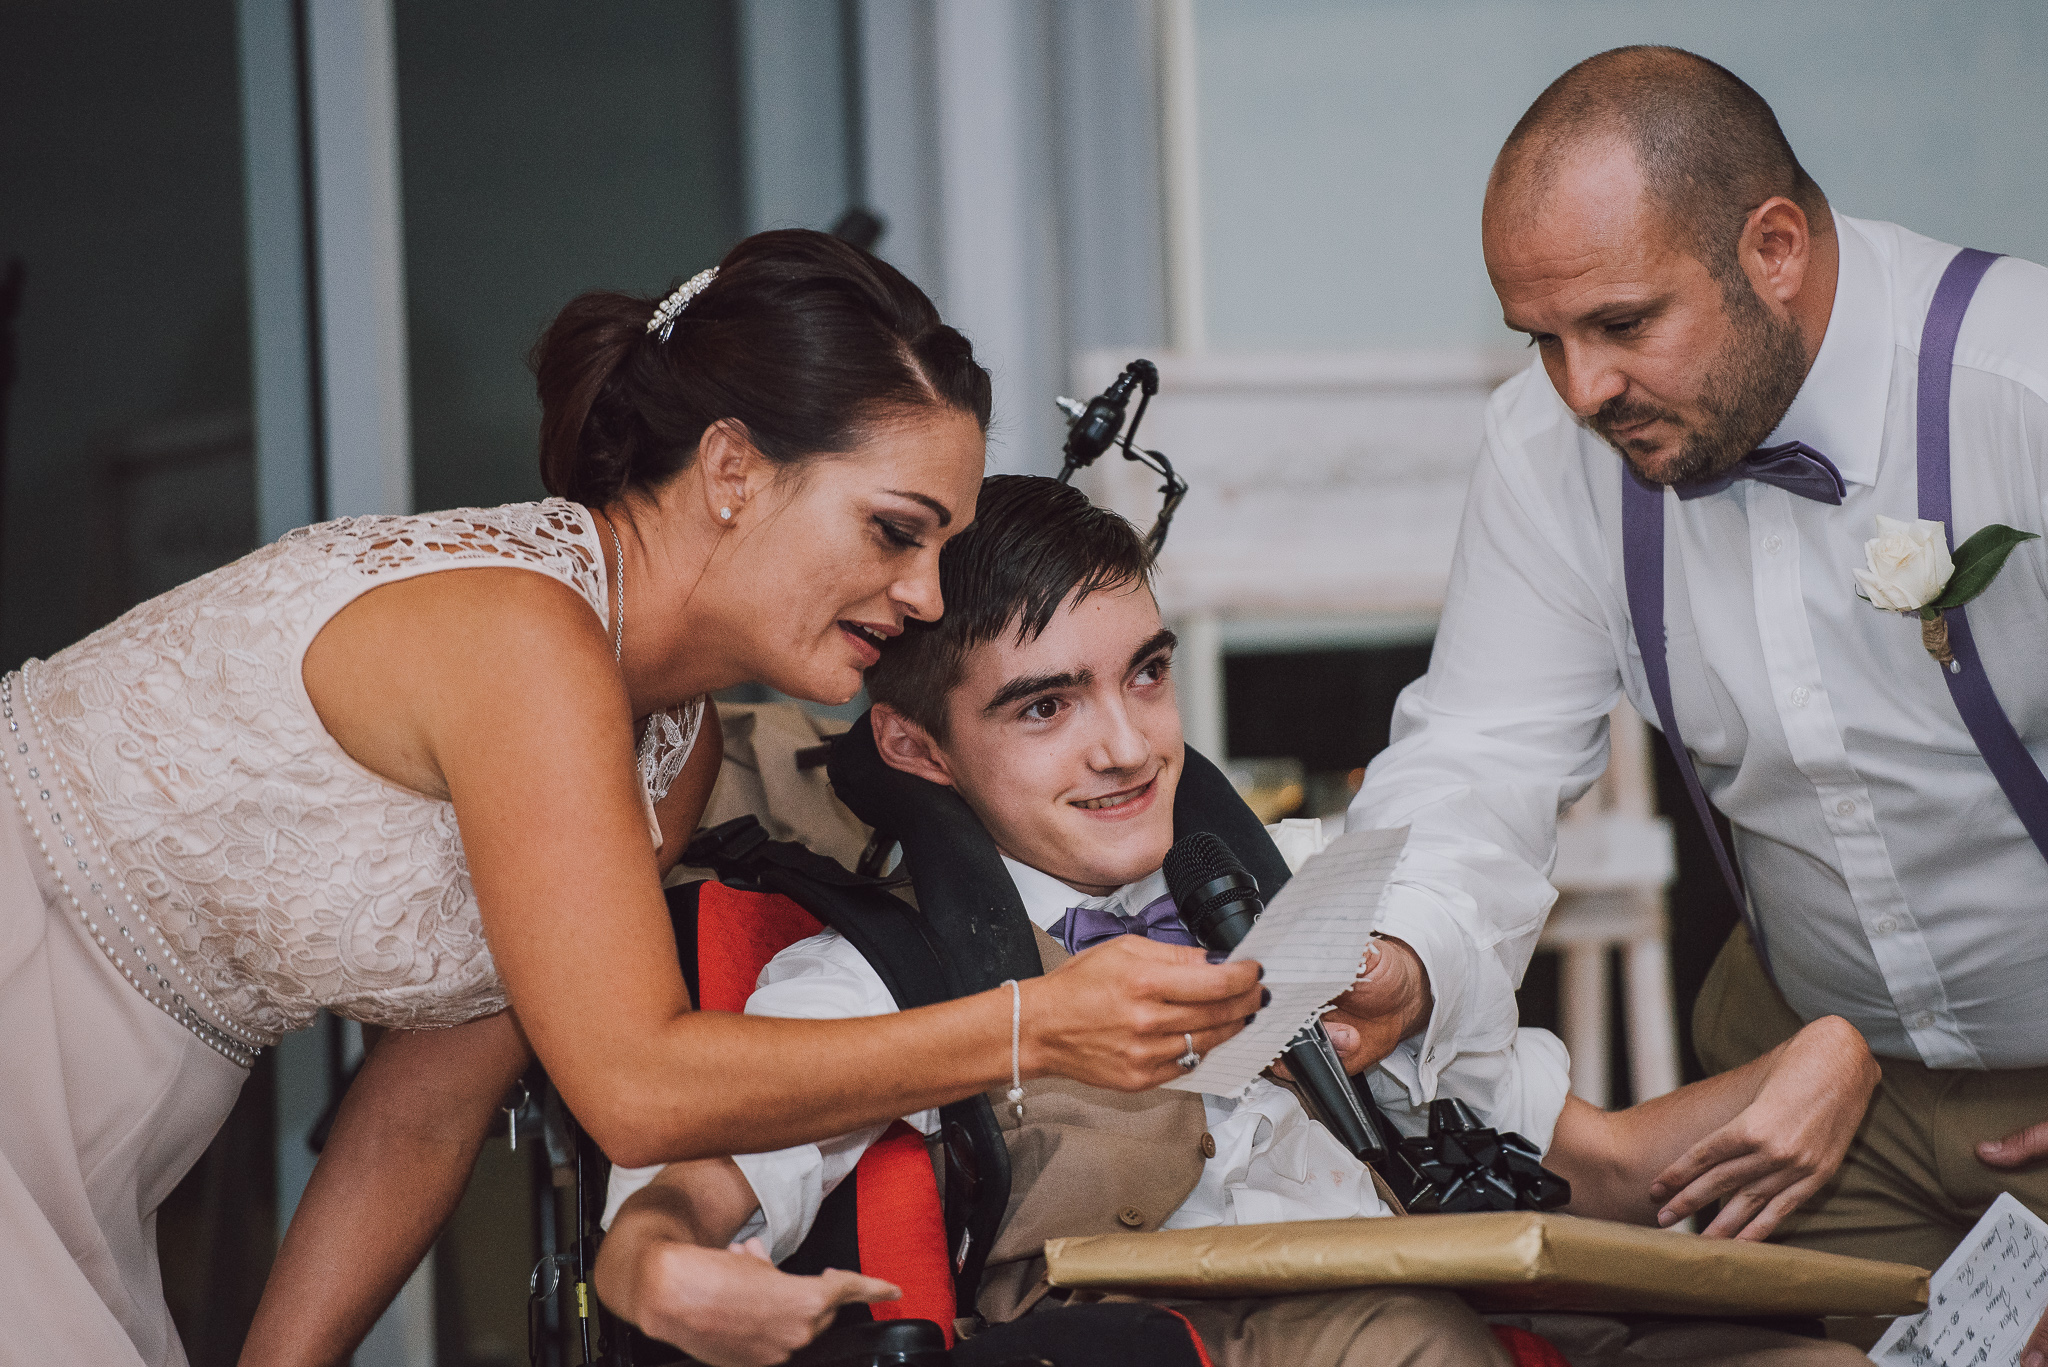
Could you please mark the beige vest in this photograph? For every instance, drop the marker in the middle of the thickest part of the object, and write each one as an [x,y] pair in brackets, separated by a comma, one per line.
[1085,1160]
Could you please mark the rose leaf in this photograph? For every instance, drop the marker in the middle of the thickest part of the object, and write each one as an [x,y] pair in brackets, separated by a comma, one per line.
[1978,562]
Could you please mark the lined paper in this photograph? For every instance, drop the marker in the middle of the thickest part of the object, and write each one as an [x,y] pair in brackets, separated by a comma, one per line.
[1984,1302]
[1311,942]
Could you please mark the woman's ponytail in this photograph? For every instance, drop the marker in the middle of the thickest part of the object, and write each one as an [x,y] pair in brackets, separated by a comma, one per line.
[802,339]
[574,363]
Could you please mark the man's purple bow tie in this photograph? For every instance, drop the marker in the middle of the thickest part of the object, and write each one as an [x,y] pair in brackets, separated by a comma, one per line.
[1794,467]
[1085,926]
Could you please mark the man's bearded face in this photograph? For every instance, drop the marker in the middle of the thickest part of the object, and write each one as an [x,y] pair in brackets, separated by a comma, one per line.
[1683,369]
[1742,392]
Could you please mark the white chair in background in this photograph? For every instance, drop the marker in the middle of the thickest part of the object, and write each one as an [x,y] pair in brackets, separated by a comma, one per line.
[1614,863]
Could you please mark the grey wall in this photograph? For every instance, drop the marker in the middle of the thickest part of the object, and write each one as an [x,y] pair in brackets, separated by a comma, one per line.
[1011,146]
[546,150]
[795,106]
[121,190]
[1345,144]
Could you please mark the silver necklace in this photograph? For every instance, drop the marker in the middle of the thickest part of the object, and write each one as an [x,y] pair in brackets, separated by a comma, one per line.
[618,613]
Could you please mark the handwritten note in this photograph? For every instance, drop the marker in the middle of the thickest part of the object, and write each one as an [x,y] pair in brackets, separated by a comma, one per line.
[1984,1302]
[1311,942]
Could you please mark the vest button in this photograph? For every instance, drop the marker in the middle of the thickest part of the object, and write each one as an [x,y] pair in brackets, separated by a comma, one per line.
[1208,1145]
[1132,1216]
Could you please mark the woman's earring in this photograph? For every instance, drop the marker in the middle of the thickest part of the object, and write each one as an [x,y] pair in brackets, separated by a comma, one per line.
[725,514]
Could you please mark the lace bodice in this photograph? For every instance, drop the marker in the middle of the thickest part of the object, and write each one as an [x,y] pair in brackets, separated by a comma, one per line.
[283,875]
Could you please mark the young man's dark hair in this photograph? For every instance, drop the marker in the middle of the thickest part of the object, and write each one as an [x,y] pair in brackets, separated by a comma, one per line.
[1034,543]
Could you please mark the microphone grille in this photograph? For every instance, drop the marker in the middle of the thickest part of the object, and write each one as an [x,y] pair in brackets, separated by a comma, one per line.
[1194,860]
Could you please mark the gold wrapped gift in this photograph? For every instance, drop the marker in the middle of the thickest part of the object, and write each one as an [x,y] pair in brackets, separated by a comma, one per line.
[1507,1261]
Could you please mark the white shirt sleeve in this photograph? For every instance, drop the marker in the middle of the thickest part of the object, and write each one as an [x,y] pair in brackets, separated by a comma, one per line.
[822,978]
[1520,1088]
[1506,730]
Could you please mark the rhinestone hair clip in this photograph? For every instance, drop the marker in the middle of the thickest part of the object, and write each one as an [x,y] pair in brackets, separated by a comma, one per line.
[664,319]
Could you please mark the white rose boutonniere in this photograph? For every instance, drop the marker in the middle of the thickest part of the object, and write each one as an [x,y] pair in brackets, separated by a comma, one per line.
[1909,565]
[1911,570]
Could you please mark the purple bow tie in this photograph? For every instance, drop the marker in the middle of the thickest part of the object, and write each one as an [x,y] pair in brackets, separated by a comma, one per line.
[1794,467]
[1085,926]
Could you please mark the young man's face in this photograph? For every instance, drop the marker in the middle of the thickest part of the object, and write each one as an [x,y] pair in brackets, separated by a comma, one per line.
[1068,747]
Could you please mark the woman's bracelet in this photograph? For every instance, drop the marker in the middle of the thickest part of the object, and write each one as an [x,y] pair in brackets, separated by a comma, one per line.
[1016,1095]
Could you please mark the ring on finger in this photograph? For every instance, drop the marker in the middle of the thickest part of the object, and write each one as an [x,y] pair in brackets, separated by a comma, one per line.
[1188,1060]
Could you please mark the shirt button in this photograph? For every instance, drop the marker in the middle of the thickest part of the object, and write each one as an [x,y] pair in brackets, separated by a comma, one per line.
[1800,695]
[1132,1216]
[1208,1145]
[1845,808]
[1885,925]
[1922,1020]
[1771,545]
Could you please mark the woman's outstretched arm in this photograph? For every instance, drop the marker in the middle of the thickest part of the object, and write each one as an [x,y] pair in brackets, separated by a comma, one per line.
[393,1170]
[498,688]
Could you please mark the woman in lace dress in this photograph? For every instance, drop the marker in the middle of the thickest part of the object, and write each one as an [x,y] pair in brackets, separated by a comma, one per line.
[339,773]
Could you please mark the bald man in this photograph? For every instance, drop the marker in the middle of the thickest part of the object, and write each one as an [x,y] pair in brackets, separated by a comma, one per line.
[1699,310]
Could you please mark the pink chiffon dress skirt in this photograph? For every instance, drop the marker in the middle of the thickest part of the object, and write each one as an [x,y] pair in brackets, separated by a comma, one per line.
[105,1103]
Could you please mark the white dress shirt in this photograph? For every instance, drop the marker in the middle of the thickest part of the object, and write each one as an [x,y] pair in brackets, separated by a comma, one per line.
[1272,1161]
[1891,878]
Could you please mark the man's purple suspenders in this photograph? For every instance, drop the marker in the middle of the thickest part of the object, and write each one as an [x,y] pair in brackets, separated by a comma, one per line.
[1642,541]
[1642,559]
[2025,786]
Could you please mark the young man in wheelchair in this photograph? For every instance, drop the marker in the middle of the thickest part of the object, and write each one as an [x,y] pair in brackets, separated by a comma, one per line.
[1045,699]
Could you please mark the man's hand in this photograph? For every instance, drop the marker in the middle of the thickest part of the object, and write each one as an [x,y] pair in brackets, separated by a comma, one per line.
[2021,1149]
[1785,1144]
[1389,1002]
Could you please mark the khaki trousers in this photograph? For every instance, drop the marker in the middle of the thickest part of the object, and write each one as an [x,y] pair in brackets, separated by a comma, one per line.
[1911,1186]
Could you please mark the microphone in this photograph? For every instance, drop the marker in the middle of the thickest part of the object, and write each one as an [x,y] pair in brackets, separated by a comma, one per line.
[1096,424]
[1218,901]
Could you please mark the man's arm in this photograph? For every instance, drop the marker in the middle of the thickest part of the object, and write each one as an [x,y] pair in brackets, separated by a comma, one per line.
[1764,1137]
[665,1266]
[1506,730]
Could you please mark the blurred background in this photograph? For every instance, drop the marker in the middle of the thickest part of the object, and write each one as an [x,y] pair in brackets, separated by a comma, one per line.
[268,262]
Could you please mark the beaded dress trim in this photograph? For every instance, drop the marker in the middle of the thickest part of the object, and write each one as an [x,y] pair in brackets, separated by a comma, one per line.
[237,866]
[130,940]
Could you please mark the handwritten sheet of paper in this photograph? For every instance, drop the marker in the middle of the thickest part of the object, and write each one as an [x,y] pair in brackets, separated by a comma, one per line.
[1311,941]
[1984,1302]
